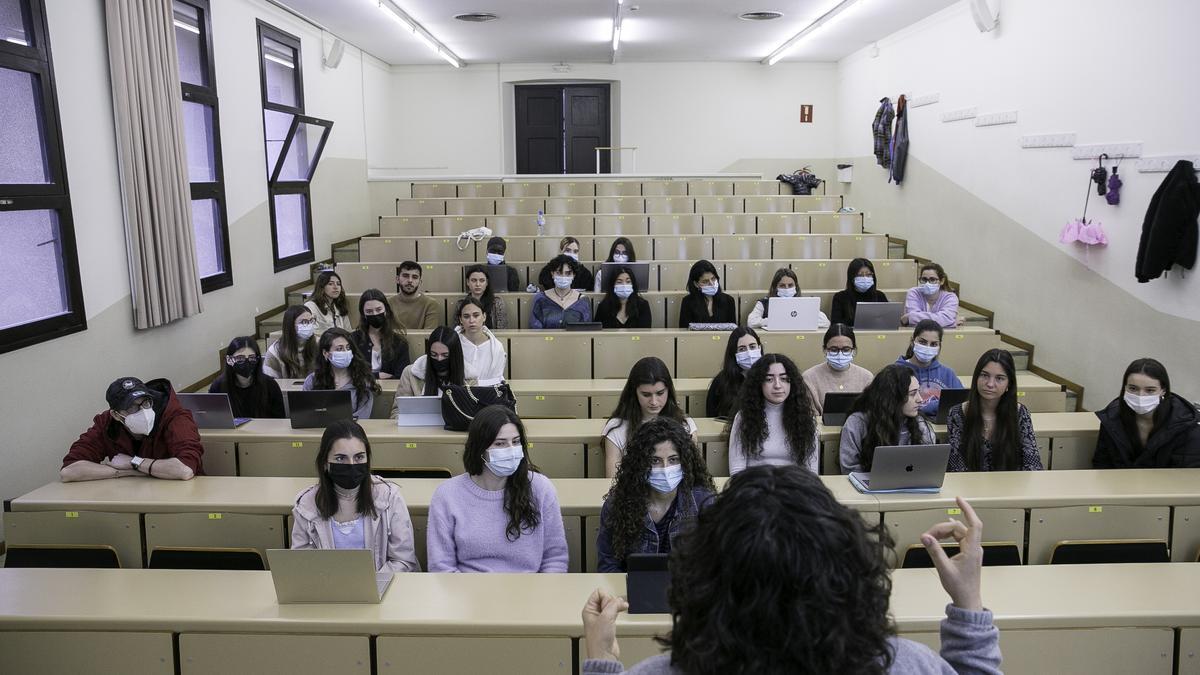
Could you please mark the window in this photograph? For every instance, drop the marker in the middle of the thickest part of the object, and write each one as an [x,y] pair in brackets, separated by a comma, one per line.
[202,137]
[37,234]
[294,143]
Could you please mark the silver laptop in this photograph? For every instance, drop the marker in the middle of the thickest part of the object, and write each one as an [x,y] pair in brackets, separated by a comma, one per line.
[878,315]
[327,575]
[906,467]
[211,411]
[419,411]
[793,313]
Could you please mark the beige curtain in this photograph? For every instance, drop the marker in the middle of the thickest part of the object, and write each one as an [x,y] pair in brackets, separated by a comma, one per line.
[163,278]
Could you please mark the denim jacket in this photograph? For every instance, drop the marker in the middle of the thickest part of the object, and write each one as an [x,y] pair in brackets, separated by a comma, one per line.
[685,508]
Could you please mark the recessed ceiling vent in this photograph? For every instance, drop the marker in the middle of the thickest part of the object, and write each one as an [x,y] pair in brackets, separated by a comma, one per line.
[476,17]
[766,15]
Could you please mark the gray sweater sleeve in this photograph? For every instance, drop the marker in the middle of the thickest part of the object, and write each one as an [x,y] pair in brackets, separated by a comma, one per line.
[850,446]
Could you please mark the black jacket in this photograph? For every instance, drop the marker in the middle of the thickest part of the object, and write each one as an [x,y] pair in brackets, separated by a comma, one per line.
[606,314]
[393,366]
[845,304]
[693,310]
[245,403]
[1169,232]
[514,279]
[1176,444]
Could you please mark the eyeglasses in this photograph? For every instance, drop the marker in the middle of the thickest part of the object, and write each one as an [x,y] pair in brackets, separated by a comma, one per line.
[930,280]
[146,404]
[306,322]
[834,351]
[238,360]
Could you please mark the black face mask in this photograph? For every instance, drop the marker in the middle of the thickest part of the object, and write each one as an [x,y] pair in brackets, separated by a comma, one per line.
[349,476]
[245,368]
[375,320]
[442,368]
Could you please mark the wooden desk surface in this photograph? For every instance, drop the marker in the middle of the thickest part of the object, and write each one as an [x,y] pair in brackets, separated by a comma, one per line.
[1035,596]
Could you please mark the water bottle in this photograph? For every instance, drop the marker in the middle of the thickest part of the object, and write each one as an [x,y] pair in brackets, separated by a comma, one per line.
[541,221]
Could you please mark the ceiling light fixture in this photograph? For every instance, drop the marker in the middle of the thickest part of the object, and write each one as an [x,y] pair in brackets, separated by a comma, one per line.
[420,33]
[476,17]
[821,21]
[616,29]
[762,15]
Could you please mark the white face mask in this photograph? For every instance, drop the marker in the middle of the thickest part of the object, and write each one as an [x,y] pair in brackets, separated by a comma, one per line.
[1142,405]
[711,290]
[786,292]
[839,361]
[495,258]
[748,358]
[925,353]
[304,331]
[140,422]
[929,289]
[863,284]
[572,256]
[620,257]
[341,359]
[504,461]
[623,291]
[666,479]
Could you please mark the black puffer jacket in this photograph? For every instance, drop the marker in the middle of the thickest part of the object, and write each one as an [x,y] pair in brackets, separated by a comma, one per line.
[1174,445]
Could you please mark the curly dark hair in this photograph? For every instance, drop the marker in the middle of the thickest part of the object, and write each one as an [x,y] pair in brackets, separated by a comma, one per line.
[882,403]
[798,416]
[630,491]
[777,576]
[546,275]
[360,367]
[523,513]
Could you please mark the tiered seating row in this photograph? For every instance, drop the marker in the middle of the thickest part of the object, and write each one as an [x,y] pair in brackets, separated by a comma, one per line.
[581,205]
[600,188]
[628,224]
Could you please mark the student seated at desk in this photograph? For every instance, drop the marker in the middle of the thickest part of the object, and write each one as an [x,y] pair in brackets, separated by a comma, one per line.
[501,515]
[922,359]
[660,487]
[251,392]
[569,246]
[380,336]
[414,309]
[886,413]
[705,302]
[838,373]
[328,303]
[146,431]
[440,365]
[484,358]
[1148,426]
[496,248]
[621,251]
[785,284]
[479,287]
[991,431]
[649,393]
[623,306]
[931,299]
[294,354]
[801,584]
[350,508]
[742,350]
[775,423]
[340,366]
[560,303]
[860,287]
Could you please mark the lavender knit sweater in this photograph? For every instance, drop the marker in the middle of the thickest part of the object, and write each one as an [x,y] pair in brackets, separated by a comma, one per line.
[467,530]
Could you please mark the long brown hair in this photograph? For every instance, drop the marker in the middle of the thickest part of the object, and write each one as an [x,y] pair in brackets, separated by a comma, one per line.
[1006,436]
[392,334]
[326,497]
[523,514]
[297,358]
[361,380]
[324,302]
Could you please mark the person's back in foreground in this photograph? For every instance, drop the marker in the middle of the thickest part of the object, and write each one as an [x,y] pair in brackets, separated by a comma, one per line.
[778,577]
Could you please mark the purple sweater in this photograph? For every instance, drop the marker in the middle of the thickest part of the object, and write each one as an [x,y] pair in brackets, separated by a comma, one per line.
[467,527]
[944,310]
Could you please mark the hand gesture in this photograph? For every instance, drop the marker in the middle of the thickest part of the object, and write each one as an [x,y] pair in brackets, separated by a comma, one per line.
[959,574]
[122,462]
[600,625]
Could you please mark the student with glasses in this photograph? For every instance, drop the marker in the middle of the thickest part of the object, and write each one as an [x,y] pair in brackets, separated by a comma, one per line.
[145,431]
[251,393]
[380,335]
[295,352]
[340,366]
[931,299]
[838,373]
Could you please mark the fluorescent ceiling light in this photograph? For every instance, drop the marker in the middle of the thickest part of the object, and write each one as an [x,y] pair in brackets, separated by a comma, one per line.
[283,62]
[450,58]
[186,26]
[420,33]
[821,21]
[616,36]
[395,14]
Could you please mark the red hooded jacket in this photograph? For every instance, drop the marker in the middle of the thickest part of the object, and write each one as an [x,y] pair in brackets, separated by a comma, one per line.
[174,434]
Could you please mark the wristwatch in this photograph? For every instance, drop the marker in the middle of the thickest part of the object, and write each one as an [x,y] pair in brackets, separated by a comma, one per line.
[137,462]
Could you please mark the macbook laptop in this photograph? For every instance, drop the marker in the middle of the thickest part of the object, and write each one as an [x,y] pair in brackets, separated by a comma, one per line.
[792,313]
[419,411]
[641,274]
[947,400]
[904,468]
[318,409]
[211,411]
[646,583]
[836,407]
[327,575]
[877,315]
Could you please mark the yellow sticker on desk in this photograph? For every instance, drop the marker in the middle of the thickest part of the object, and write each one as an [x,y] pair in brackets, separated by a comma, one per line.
[214,516]
[800,337]
[366,267]
[1095,509]
[635,338]
[858,239]
[954,512]
[297,444]
[716,337]
[1020,394]
[822,264]
[387,241]
[880,337]
[72,514]
[959,336]
[539,397]
[410,445]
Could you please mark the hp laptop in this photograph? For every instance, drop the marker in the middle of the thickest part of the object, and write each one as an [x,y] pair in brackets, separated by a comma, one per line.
[646,583]
[878,315]
[836,407]
[211,411]
[641,274]
[947,400]
[904,468]
[792,313]
[419,411]
[327,575]
[318,409]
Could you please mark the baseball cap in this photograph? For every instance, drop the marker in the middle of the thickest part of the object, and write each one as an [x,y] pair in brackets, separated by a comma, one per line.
[124,392]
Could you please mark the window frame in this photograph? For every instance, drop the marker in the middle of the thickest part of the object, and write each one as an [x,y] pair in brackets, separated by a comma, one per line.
[54,196]
[215,190]
[293,128]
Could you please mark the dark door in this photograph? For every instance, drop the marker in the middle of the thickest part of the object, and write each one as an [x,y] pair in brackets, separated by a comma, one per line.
[559,127]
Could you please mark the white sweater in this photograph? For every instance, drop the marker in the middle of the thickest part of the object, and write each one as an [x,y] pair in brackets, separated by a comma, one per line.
[486,362]
[776,451]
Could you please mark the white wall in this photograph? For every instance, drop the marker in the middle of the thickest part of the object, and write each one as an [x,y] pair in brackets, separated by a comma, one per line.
[63,381]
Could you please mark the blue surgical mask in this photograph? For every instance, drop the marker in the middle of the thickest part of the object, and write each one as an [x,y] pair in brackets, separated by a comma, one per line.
[747,358]
[620,257]
[341,359]
[504,461]
[839,361]
[304,331]
[572,256]
[864,284]
[666,479]
[925,353]
[785,292]
[623,291]
[562,282]
[495,258]
[929,289]
[711,290]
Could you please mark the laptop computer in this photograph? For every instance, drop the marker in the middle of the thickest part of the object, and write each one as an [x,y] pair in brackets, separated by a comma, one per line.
[419,411]
[327,575]
[878,315]
[646,583]
[641,273]
[904,468]
[582,325]
[792,313]
[211,411]
[319,408]
[947,400]
[836,407]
